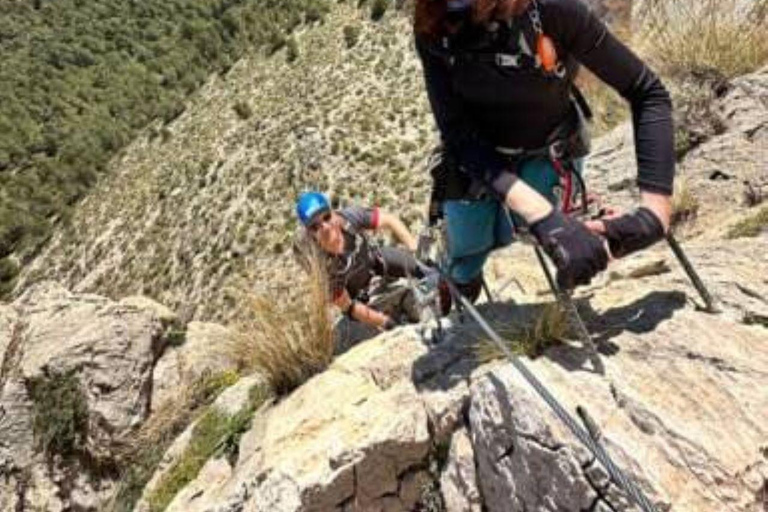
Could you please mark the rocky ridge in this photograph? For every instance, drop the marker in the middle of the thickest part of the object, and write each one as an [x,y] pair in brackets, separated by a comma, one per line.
[399,424]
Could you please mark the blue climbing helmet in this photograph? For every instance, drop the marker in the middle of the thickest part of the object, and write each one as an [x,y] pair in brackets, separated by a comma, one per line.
[310,204]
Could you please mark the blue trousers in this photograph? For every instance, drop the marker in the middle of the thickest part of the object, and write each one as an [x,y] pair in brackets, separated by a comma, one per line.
[477,227]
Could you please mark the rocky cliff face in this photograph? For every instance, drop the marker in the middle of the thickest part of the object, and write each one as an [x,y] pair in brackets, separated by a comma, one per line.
[396,424]
[80,373]
[400,424]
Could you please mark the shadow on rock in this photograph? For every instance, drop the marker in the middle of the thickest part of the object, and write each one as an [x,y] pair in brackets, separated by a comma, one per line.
[642,316]
[455,358]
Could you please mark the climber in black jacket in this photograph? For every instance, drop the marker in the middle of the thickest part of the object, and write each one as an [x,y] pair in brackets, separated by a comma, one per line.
[499,76]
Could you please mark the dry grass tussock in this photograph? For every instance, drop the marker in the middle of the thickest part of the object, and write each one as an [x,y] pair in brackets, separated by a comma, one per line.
[690,37]
[141,451]
[286,338]
[685,204]
[549,327]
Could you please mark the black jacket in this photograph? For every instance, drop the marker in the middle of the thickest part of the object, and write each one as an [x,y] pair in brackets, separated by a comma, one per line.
[479,106]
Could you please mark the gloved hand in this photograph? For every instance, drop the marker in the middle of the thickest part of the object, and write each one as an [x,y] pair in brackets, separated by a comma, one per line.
[633,231]
[389,324]
[577,253]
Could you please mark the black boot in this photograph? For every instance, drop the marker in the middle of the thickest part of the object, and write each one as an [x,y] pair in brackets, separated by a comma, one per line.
[472,289]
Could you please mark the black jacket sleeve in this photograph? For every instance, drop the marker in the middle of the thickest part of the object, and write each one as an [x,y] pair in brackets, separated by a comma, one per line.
[461,143]
[581,33]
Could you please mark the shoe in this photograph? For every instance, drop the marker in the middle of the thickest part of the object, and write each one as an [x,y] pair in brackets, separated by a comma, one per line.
[472,289]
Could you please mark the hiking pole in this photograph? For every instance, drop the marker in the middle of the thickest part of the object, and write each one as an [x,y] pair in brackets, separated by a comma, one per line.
[566,302]
[677,249]
[589,438]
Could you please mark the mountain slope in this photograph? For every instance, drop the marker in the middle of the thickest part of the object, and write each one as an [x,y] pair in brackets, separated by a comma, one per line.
[193,206]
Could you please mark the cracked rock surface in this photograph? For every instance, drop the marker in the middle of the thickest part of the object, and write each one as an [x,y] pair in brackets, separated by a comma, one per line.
[110,348]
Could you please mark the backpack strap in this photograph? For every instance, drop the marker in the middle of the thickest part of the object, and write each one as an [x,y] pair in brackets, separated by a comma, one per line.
[524,58]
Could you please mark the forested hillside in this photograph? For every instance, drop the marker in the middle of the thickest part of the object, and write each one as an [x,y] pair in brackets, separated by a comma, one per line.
[79,78]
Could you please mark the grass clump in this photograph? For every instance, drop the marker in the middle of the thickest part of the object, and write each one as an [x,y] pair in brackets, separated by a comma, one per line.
[687,37]
[142,451]
[60,413]
[288,339]
[243,110]
[685,204]
[531,339]
[751,226]
[215,433]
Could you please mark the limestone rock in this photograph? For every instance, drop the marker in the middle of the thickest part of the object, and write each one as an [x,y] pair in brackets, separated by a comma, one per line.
[202,352]
[164,314]
[231,401]
[458,482]
[346,440]
[110,348]
[521,465]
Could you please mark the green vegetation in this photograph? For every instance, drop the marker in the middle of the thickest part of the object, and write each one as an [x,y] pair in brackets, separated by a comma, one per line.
[351,35]
[292,50]
[378,9]
[529,337]
[60,414]
[751,226]
[215,433]
[79,79]
[145,449]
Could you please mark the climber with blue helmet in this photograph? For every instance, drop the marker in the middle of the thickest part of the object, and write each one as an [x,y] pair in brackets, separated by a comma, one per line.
[351,257]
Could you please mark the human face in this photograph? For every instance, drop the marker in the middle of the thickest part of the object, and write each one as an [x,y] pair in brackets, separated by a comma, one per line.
[506,9]
[326,230]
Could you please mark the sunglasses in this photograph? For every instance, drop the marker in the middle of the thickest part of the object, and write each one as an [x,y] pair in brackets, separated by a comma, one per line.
[319,221]
[459,5]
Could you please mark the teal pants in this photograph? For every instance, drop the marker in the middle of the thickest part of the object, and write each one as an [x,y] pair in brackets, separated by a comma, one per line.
[475,228]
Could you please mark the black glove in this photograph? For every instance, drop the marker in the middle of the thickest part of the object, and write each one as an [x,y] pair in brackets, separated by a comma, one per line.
[577,253]
[633,231]
[389,325]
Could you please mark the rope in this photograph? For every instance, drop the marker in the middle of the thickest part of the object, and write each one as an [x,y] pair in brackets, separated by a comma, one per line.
[635,494]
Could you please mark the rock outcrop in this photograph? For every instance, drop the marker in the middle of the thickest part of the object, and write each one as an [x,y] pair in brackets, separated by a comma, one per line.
[398,424]
[395,423]
[103,353]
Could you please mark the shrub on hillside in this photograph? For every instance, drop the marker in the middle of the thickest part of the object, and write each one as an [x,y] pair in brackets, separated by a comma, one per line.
[378,9]
[688,37]
[351,35]
[292,50]
[243,110]
[60,414]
